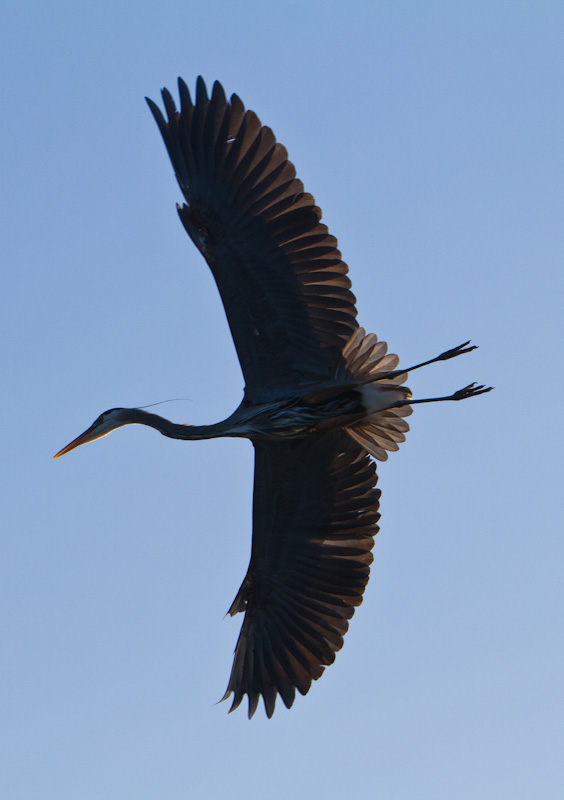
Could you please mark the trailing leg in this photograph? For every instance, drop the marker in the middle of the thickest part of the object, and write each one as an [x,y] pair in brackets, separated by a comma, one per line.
[472,390]
[448,354]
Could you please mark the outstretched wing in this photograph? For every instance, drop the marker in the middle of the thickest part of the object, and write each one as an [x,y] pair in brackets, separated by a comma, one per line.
[315,516]
[280,275]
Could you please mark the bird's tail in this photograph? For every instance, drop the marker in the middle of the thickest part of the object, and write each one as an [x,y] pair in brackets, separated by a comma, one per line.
[383,429]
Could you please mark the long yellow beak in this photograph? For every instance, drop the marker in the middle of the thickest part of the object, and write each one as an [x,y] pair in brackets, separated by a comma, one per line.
[88,436]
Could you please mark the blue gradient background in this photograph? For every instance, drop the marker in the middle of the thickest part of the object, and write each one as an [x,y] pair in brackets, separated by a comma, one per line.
[431,135]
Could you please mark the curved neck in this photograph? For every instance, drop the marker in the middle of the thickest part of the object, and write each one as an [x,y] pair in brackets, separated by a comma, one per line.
[174,430]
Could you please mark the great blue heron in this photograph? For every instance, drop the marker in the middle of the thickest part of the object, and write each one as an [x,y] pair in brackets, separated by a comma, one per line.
[321,396]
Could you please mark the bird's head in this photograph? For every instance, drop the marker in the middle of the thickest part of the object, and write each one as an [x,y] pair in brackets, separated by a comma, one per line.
[104,424]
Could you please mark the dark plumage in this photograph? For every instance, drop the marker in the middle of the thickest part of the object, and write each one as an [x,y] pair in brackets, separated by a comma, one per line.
[321,396]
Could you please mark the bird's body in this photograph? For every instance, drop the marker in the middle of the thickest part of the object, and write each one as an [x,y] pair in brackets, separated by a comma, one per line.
[321,396]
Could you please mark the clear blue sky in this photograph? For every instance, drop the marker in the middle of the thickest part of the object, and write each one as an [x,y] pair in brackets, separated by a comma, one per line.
[431,135]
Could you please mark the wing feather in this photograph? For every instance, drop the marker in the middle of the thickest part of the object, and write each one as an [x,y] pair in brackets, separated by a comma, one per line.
[279,273]
[315,515]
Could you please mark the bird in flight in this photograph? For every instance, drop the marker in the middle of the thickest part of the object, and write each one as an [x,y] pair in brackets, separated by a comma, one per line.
[322,398]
